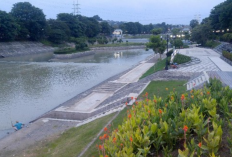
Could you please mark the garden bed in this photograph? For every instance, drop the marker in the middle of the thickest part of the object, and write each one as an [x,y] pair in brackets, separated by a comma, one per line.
[197,123]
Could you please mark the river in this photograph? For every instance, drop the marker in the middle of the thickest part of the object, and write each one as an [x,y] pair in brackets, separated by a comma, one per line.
[31,86]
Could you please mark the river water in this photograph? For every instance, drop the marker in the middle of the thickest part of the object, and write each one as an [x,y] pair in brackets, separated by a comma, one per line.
[31,86]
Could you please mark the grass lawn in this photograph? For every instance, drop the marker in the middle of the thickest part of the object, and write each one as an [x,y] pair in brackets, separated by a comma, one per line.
[160,65]
[71,142]
[92,151]
[158,88]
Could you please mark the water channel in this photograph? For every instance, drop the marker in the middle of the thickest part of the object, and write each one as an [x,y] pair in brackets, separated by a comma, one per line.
[31,86]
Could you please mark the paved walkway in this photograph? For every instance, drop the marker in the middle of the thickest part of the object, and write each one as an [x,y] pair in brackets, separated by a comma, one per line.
[210,61]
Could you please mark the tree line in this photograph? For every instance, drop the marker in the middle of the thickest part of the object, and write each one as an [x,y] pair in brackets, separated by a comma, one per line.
[27,22]
[217,26]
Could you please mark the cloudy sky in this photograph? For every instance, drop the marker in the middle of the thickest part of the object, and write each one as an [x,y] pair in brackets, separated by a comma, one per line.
[143,11]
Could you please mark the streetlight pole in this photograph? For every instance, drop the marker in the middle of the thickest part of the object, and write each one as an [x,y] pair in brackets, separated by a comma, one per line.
[166,67]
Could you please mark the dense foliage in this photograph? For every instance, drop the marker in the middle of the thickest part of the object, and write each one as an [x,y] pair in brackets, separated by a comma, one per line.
[26,22]
[179,58]
[8,27]
[157,44]
[191,123]
[228,55]
[217,26]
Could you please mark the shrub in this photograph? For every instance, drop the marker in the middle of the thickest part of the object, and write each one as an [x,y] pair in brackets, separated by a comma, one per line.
[179,59]
[169,53]
[227,55]
[66,50]
[152,126]
[211,44]
[185,46]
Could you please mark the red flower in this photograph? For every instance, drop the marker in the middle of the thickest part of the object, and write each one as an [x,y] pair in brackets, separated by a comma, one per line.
[129,116]
[121,144]
[100,137]
[185,128]
[182,97]
[132,98]
[106,156]
[100,147]
[155,101]
[160,111]
[105,136]
[208,93]
[105,129]
[131,139]
[199,144]
[114,139]
[126,103]
[149,112]
[136,102]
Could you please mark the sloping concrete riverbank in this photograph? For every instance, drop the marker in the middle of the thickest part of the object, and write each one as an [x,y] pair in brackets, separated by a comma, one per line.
[12,49]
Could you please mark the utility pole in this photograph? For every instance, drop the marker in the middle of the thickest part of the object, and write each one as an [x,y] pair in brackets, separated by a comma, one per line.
[76,8]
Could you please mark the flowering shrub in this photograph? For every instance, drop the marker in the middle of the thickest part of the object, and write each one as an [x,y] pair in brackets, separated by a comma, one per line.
[192,120]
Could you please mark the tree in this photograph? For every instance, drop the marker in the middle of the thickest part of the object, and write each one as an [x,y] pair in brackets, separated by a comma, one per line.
[221,15]
[156,31]
[58,31]
[105,28]
[202,33]
[77,30]
[175,31]
[96,17]
[194,23]
[8,27]
[178,43]
[31,20]
[156,44]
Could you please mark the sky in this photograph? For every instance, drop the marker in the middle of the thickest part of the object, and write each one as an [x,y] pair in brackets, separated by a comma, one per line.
[143,11]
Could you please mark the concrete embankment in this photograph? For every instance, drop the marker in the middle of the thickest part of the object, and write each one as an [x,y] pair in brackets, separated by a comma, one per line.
[95,50]
[11,49]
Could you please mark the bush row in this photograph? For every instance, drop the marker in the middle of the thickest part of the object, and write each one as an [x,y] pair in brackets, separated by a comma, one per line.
[227,54]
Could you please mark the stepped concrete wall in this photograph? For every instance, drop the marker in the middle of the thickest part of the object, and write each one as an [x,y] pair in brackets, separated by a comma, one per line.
[10,49]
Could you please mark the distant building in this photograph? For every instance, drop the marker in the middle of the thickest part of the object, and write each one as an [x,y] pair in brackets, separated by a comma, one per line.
[186,29]
[118,33]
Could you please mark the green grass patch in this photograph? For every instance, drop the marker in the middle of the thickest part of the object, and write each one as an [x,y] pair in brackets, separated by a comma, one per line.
[71,142]
[69,50]
[117,45]
[138,36]
[160,65]
[92,151]
[158,88]
[180,59]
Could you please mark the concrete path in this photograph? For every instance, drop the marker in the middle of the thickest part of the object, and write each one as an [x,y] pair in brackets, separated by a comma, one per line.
[210,61]
[222,65]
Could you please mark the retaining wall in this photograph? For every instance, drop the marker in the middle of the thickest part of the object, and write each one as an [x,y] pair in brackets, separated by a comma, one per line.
[10,49]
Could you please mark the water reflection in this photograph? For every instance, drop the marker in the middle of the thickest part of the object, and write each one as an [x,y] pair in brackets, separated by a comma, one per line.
[29,89]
